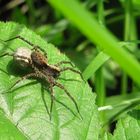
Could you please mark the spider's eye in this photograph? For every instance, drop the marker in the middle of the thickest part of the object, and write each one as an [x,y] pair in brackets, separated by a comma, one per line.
[22,56]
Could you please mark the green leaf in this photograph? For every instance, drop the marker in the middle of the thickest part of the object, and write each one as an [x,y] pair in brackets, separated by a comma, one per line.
[23,109]
[127,128]
[8,130]
[116,106]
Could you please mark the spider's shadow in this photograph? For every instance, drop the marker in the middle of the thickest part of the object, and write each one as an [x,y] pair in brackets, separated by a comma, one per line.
[14,69]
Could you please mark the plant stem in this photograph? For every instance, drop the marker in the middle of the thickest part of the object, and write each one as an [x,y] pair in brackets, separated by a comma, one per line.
[127,34]
[99,83]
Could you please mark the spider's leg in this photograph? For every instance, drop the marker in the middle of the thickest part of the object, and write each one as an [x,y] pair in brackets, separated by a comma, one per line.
[52,99]
[73,70]
[65,106]
[35,47]
[70,79]
[69,95]
[21,38]
[44,101]
[9,54]
[57,102]
[64,62]
[21,79]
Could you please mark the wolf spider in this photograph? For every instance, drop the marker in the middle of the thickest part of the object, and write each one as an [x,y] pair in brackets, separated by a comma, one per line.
[41,69]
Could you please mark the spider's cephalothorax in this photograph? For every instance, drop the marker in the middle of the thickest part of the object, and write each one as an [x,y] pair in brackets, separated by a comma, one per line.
[42,69]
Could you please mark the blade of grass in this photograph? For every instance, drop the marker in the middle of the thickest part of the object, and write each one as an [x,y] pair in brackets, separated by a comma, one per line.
[101,58]
[130,104]
[99,84]
[127,36]
[102,37]
[95,64]
[99,78]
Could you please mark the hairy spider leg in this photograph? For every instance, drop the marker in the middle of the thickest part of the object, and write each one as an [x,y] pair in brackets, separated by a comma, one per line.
[57,102]
[44,101]
[21,79]
[52,99]
[64,62]
[70,79]
[21,38]
[9,54]
[26,77]
[35,47]
[73,70]
[65,106]
[69,95]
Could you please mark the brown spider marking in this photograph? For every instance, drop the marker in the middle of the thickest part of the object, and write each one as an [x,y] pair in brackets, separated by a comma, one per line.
[41,69]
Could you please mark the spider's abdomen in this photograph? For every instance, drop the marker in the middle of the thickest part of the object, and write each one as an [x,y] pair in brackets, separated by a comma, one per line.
[38,59]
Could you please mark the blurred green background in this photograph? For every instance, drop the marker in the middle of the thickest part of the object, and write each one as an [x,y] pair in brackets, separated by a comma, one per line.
[50,24]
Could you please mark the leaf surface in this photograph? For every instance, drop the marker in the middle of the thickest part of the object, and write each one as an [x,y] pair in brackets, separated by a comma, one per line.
[22,109]
[127,128]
